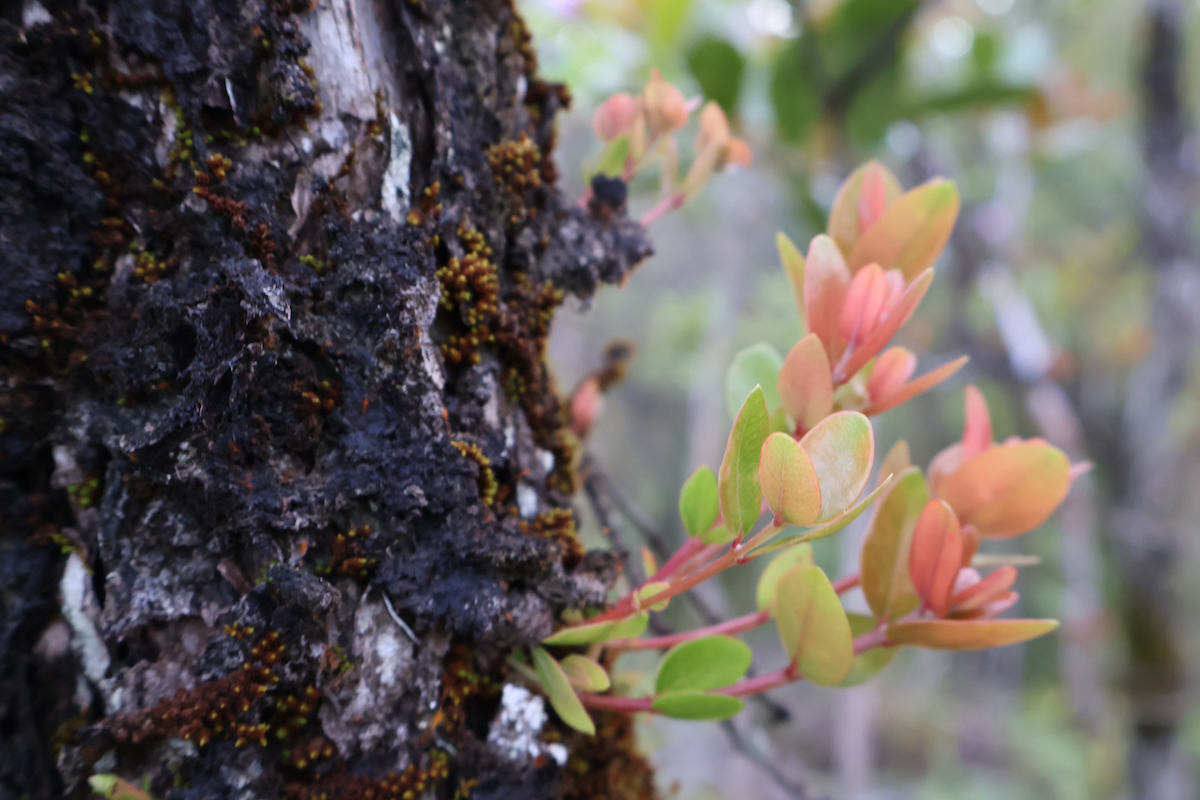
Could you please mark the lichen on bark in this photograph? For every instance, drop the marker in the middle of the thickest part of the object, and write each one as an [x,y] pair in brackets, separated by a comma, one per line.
[230,442]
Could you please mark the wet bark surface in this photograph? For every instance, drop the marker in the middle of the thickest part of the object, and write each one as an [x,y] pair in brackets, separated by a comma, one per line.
[283,473]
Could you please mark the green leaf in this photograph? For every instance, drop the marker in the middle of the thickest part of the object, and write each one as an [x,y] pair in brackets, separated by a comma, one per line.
[585,674]
[793,93]
[793,267]
[842,448]
[813,626]
[701,664]
[779,421]
[698,505]
[648,591]
[561,695]
[664,22]
[883,562]
[757,365]
[799,555]
[717,66]
[737,486]
[827,529]
[869,664]
[716,535]
[600,631]
[789,481]
[111,786]
[697,705]
[612,161]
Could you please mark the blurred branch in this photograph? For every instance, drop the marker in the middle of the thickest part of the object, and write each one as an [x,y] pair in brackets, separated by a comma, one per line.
[759,759]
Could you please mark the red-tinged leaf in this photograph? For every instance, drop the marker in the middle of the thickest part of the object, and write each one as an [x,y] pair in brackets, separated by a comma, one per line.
[896,461]
[883,561]
[977,424]
[885,330]
[891,372]
[979,594]
[813,625]
[738,489]
[585,674]
[945,634]
[914,388]
[793,267]
[845,216]
[805,388]
[824,529]
[1008,490]
[826,281]
[842,449]
[912,232]
[935,556]
[789,481]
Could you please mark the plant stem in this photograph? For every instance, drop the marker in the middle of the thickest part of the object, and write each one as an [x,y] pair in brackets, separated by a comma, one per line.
[668,203]
[737,625]
[843,585]
[685,552]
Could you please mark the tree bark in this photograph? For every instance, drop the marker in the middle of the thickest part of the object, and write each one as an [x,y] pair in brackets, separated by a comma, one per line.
[283,474]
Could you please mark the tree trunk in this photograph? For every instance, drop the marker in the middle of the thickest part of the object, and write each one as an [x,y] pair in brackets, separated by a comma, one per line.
[283,475]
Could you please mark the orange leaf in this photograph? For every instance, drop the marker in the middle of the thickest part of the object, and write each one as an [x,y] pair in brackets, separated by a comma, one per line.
[979,594]
[914,388]
[826,281]
[804,384]
[912,232]
[1009,489]
[944,634]
[845,216]
[936,555]
[789,481]
[885,330]
[977,424]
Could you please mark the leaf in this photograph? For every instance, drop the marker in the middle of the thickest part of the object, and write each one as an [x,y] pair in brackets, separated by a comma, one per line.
[813,626]
[779,421]
[804,384]
[698,506]
[896,461]
[886,329]
[844,214]
[701,664]
[883,561]
[561,695]
[757,365]
[1009,489]
[912,232]
[826,281]
[793,267]
[717,66]
[768,582]
[585,674]
[111,786]
[649,590]
[915,387]
[935,556]
[737,486]
[697,705]
[789,482]
[842,449]
[649,562]
[626,628]
[664,21]
[718,534]
[870,663]
[793,94]
[827,529]
[944,634]
[612,161]
[977,423]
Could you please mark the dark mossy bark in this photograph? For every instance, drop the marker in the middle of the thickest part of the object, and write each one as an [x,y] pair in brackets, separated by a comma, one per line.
[275,283]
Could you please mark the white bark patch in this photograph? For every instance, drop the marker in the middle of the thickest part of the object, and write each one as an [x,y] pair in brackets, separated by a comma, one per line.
[34,14]
[396,196]
[78,607]
[515,730]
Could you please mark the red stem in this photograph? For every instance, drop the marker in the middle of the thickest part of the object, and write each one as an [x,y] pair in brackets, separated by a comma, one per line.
[738,625]
[843,585]
[681,557]
[668,203]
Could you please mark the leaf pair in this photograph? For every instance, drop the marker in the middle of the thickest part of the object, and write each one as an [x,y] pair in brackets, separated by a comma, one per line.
[559,689]
[689,673]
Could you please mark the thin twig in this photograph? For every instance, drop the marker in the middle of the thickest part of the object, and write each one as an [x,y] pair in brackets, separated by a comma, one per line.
[759,759]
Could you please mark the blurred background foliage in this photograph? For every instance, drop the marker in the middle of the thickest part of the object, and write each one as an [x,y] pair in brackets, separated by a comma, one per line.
[1035,109]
